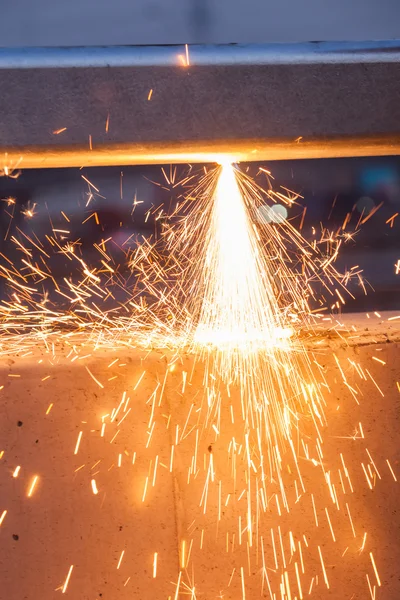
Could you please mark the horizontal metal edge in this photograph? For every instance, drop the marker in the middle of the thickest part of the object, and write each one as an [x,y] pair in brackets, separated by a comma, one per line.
[353,330]
[200,55]
[197,152]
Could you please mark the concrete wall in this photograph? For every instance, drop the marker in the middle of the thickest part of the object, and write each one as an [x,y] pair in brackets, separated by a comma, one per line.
[102,22]
[63,523]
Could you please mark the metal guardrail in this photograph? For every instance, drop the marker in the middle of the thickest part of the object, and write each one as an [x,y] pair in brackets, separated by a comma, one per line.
[141,105]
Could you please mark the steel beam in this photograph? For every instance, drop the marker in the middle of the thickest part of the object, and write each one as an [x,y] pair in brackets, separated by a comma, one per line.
[244,102]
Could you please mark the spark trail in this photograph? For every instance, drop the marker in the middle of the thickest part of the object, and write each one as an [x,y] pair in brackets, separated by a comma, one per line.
[239,306]
[241,332]
[242,402]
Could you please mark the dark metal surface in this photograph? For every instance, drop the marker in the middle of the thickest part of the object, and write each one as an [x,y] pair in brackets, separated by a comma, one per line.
[208,107]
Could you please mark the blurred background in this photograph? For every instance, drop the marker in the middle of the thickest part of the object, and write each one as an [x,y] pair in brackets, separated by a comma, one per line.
[129,203]
[33,202]
[101,22]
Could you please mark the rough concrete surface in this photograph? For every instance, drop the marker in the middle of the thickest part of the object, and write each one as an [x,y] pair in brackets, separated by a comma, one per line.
[63,523]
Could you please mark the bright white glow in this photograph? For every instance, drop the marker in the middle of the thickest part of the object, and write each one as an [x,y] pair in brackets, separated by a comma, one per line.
[239,303]
[272,214]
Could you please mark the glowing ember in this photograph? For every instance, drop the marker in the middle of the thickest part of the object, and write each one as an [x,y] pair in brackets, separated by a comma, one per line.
[207,389]
[239,304]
